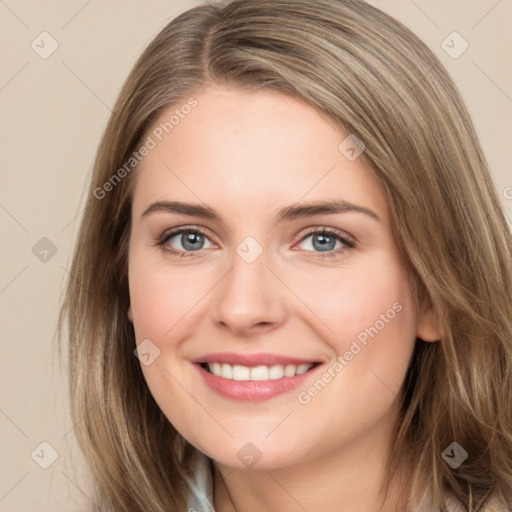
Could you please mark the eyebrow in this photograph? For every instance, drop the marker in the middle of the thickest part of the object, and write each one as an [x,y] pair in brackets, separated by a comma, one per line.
[287,213]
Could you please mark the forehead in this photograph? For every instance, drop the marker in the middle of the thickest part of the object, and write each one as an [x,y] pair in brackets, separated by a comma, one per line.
[250,148]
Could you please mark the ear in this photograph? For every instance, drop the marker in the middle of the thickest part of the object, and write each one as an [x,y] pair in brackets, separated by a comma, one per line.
[130,314]
[428,327]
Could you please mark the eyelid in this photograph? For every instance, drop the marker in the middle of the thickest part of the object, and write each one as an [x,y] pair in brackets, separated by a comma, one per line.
[319,229]
[348,241]
[170,233]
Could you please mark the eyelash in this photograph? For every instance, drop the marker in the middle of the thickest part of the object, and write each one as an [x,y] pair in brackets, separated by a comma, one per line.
[348,244]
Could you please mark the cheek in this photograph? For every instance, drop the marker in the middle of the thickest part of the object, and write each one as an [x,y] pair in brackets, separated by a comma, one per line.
[349,301]
[162,300]
[370,321]
[161,296]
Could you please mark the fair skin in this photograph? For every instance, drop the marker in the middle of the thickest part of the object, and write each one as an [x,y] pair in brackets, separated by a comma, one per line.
[247,155]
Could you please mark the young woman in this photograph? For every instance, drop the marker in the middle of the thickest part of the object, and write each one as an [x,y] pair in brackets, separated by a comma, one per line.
[291,288]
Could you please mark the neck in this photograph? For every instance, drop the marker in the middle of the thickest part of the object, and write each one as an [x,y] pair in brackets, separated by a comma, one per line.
[350,478]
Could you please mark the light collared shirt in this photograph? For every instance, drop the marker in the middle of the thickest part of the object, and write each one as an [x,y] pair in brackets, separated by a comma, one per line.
[201,486]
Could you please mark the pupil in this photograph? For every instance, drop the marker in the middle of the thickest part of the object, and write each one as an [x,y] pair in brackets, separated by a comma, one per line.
[324,242]
[193,239]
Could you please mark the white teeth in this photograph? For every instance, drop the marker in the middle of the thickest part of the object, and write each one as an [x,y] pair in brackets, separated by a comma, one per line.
[303,368]
[243,373]
[226,371]
[289,371]
[215,368]
[276,372]
[259,373]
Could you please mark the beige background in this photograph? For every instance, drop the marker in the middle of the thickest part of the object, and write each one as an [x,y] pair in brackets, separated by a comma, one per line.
[52,114]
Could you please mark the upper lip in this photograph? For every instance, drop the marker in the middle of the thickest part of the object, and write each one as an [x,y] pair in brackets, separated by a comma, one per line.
[233,358]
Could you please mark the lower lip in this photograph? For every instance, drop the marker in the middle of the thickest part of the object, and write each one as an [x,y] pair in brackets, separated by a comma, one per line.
[252,390]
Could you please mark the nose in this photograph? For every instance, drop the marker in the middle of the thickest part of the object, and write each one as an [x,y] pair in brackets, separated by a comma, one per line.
[250,299]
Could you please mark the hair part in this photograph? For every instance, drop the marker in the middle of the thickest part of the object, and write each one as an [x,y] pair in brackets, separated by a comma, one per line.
[378,81]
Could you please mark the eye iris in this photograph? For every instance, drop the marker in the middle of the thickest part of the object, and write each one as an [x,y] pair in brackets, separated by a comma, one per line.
[194,239]
[322,242]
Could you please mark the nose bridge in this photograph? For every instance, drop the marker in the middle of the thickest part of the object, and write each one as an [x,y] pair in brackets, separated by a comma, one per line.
[248,295]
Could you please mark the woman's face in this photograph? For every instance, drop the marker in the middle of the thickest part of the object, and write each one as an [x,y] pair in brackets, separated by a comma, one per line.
[253,287]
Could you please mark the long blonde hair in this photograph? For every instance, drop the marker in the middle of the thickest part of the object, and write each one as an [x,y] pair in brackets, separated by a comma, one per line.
[378,81]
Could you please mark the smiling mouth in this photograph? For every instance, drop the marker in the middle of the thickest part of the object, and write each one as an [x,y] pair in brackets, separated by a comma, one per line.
[256,373]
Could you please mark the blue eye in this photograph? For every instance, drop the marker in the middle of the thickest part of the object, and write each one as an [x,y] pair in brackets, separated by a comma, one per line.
[191,240]
[325,242]
[322,242]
